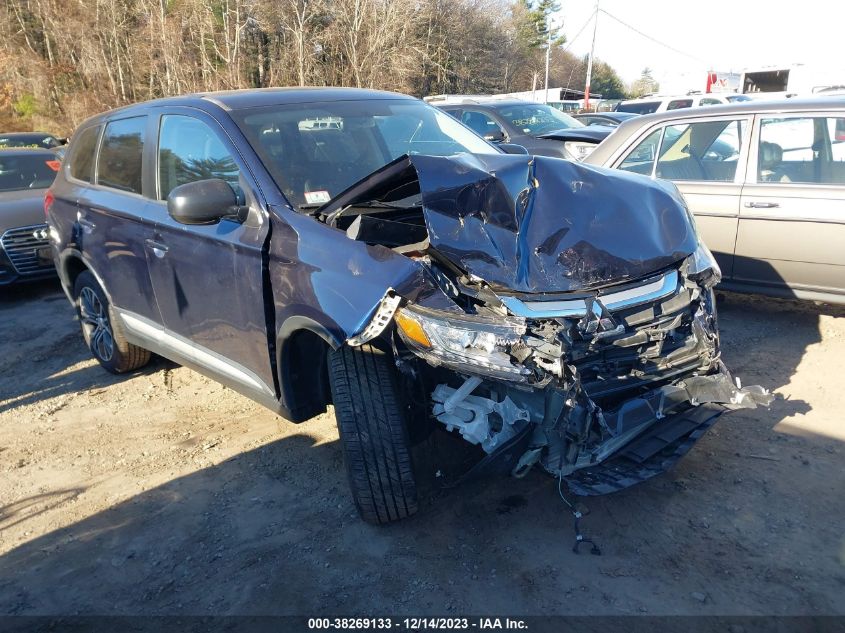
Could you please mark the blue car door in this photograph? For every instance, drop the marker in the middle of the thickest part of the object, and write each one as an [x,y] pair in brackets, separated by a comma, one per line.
[209,279]
[114,218]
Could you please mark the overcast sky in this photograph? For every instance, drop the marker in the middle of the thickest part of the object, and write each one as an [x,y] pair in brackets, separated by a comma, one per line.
[724,35]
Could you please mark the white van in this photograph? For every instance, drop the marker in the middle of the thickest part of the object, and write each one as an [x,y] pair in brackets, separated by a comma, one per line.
[661,103]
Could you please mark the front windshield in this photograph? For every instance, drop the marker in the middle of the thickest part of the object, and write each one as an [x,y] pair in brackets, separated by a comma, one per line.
[27,171]
[535,118]
[314,151]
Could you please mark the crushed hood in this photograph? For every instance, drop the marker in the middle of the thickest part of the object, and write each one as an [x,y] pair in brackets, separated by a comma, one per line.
[534,224]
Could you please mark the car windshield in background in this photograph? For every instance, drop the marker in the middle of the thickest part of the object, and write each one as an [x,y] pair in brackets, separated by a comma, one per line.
[314,151]
[28,140]
[537,119]
[30,171]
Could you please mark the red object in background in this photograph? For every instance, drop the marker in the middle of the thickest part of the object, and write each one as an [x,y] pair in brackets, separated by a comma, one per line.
[48,199]
[711,79]
[53,164]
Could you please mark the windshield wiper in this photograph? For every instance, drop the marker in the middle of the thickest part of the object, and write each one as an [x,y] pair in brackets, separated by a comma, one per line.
[309,208]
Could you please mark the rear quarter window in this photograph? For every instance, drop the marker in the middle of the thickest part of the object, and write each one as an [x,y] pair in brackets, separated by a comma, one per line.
[83,154]
[639,107]
[679,103]
[121,154]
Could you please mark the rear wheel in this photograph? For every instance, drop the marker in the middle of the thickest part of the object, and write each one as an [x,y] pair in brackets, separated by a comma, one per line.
[373,433]
[102,332]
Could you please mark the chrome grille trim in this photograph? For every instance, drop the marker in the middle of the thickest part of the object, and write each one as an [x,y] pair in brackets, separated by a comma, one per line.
[663,286]
[21,245]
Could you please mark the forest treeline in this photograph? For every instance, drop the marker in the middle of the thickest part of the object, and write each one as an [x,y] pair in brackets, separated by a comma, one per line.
[63,60]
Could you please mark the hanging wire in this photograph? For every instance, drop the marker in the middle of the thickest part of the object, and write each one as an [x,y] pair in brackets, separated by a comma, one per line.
[649,37]
[579,537]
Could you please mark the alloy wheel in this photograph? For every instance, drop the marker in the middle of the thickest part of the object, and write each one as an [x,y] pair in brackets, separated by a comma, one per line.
[95,324]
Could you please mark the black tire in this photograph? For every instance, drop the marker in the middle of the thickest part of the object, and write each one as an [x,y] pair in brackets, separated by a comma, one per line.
[373,433]
[102,332]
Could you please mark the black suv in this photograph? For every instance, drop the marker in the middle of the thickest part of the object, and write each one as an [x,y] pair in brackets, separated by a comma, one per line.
[363,249]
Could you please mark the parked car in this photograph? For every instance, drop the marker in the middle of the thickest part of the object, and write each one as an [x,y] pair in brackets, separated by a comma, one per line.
[25,253]
[29,139]
[765,182]
[403,269]
[539,128]
[659,103]
[609,119]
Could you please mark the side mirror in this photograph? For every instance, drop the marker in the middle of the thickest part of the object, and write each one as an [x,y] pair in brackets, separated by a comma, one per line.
[495,137]
[512,148]
[202,202]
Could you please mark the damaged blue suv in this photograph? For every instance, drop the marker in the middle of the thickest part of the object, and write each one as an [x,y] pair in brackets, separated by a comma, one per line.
[362,249]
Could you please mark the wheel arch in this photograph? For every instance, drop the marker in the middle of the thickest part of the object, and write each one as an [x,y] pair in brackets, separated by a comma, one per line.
[71,265]
[302,348]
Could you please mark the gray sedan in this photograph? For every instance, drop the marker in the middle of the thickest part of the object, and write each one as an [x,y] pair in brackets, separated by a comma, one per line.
[765,182]
[25,175]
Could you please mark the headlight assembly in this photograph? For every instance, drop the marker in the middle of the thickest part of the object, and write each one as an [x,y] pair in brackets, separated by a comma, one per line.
[578,150]
[702,268]
[463,342]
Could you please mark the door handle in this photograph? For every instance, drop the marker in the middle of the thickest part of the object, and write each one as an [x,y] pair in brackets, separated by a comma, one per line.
[87,225]
[762,205]
[158,249]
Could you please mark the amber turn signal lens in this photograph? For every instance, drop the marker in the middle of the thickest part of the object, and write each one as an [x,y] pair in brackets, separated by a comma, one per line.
[412,329]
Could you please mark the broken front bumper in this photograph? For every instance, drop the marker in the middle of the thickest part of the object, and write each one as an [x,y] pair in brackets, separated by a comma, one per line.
[570,437]
[649,454]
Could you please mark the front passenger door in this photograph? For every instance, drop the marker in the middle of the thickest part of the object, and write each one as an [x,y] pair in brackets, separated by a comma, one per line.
[208,279]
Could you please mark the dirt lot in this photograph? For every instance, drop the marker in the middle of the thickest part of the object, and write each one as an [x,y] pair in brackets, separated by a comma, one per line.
[165,493]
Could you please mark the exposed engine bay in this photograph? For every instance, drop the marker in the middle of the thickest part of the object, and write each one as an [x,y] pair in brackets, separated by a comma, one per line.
[570,321]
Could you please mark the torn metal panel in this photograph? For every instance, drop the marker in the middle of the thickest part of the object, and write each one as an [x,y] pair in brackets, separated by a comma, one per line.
[381,319]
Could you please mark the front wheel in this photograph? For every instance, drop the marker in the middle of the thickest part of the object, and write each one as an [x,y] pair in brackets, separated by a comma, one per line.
[373,433]
[101,331]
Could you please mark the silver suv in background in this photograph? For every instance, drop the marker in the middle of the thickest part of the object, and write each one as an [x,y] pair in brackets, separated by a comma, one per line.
[661,103]
[765,182]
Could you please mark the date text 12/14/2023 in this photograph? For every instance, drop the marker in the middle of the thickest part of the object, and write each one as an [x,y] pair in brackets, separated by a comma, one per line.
[418,624]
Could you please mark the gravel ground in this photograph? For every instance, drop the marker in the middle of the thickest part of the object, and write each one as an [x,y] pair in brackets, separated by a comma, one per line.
[165,493]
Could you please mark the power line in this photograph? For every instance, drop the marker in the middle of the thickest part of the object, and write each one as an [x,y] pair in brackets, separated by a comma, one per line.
[656,41]
[581,30]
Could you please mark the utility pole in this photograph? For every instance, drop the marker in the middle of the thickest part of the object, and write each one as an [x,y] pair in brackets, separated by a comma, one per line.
[548,52]
[590,60]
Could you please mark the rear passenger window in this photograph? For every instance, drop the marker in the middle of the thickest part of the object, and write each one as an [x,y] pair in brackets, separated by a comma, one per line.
[119,164]
[189,150]
[808,150]
[83,154]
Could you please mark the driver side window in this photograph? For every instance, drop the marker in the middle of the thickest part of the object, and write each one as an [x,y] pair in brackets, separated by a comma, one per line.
[188,151]
[705,151]
[482,124]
